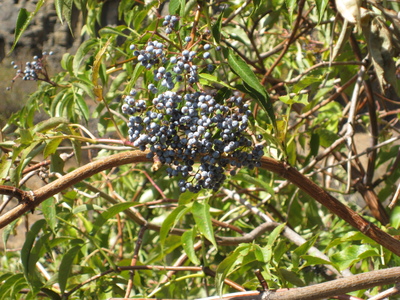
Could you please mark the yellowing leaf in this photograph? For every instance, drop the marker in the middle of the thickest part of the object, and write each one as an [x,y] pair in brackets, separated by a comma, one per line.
[98,90]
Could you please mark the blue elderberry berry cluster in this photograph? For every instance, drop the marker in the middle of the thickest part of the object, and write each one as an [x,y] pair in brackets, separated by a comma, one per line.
[198,138]
[169,22]
[152,55]
[32,68]
[182,129]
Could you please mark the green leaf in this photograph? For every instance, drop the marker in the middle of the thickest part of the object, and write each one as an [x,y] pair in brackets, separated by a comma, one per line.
[49,212]
[25,136]
[352,254]
[228,263]
[188,245]
[86,207]
[7,288]
[202,217]
[82,51]
[23,20]
[26,259]
[64,11]
[170,221]
[395,217]
[174,6]
[76,145]
[85,85]
[313,260]
[7,232]
[256,181]
[66,266]
[290,4]
[83,107]
[301,250]
[51,147]
[289,99]
[186,197]
[327,137]
[291,277]
[350,237]
[108,214]
[117,82]
[214,79]
[262,254]
[52,294]
[216,28]
[119,30]
[66,63]
[251,83]
[275,234]
[49,124]
[382,50]
[321,6]
[5,166]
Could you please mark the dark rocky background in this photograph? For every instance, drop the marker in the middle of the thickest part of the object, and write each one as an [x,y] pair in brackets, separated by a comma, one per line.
[45,33]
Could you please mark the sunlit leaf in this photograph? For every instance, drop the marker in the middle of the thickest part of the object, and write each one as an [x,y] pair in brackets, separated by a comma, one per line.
[252,83]
[109,213]
[171,220]
[352,254]
[227,265]
[23,20]
[395,217]
[49,212]
[174,6]
[188,245]
[202,217]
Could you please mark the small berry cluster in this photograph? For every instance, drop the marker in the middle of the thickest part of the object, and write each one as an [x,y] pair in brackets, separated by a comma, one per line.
[34,70]
[152,55]
[183,65]
[169,22]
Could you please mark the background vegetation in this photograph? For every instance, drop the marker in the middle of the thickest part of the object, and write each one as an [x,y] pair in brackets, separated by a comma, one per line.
[323,89]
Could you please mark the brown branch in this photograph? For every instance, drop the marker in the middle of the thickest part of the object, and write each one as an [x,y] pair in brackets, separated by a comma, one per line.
[288,42]
[339,90]
[134,259]
[312,292]
[68,180]
[334,205]
[322,290]
[340,286]
[278,167]
[248,237]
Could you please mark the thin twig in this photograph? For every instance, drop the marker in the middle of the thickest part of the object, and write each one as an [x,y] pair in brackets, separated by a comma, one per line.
[134,259]
[339,90]
[288,42]
[351,122]
[385,294]
[290,234]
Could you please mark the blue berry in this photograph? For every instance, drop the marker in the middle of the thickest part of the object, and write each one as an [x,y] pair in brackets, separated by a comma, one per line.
[206,55]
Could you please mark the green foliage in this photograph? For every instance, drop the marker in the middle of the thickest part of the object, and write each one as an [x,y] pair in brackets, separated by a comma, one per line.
[133,215]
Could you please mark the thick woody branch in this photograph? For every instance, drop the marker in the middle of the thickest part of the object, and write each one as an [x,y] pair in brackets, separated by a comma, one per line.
[331,203]
[322,290]
[278,167]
